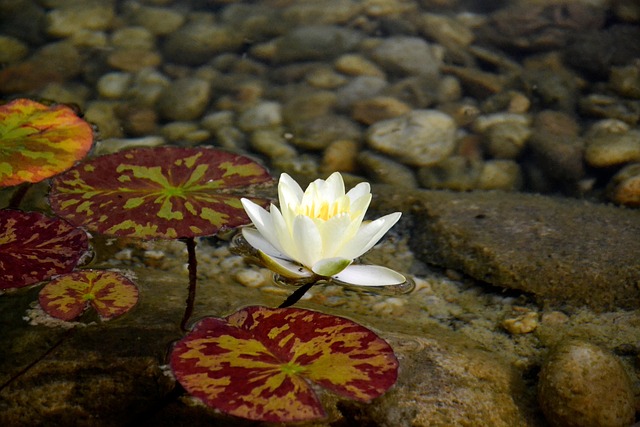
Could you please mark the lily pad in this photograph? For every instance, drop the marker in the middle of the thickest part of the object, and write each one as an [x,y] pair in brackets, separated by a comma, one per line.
[68,296]
[34,247]
[39,141]
[259,363]
[163,192]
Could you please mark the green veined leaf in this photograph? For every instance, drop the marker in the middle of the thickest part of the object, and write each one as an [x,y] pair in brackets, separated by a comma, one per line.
[38,142]
[67,296]
[258,362]
[164,192]
[34,247]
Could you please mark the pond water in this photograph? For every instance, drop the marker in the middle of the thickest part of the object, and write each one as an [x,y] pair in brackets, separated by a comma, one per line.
[506,132]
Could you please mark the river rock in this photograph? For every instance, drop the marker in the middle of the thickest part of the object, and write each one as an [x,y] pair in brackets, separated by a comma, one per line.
[184,99]
[419,138]
[158,20]
[582,385]
[75,18]
[624,187]
[611,142]
[197,42]
[563,251]
[315,42]
[407,56]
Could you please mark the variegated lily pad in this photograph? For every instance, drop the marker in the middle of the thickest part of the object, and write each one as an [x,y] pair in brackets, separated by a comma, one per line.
[68,296]
[259,362]
[38,141]
[164,192]
[34,247]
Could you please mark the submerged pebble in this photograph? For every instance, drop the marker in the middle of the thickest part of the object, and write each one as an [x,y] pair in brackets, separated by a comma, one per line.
[582,385]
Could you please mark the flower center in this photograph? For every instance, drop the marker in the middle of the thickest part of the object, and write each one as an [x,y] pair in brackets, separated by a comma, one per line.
[323,209]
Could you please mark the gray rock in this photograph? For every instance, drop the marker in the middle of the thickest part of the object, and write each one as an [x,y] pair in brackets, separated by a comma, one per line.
[419,138]
[317,133]
[263,115]
[383,170]
[158,20]
[197,42]
[583,385]
[359,88]
[562,251]
[184,99]
[407,56]
[315,42]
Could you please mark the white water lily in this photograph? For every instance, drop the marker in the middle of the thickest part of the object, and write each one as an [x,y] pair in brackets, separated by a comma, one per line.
[319,232]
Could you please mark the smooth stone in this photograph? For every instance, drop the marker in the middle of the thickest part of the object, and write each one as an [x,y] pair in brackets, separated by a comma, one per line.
[455,173]
[611,142]
[340,156]
[184,99]
[318,132]
[306,106]
[113,145]
[505,134]
[304,13]
[218,120]
[113,85]
[315,42]
[624,187]
[372,110]
[446,30]
[565,252]
[382,169]
[557,147]
[103,115]
[133,38]
[419,138]
[196,43]
[133,59]
[407,56]
[626,80]
[361,87]
[265,114]
[12,49]
[271,143]
[158,20]
[583,385]
[500,174]
[90,15]
[354,64]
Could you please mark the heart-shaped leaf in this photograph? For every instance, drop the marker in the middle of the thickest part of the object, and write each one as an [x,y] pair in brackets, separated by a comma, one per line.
[34,247]
[38,141]
[68,296]
[164,192]
[258,363]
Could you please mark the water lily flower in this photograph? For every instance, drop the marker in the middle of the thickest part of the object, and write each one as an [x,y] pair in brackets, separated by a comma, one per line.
[318,233]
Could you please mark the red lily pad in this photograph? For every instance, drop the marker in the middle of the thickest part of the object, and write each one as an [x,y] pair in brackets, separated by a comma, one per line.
[39,141]
[68,296]
[164,192]
[34,247]
[259,362]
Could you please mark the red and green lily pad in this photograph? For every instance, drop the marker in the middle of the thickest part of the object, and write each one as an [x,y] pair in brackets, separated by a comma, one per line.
[39,141]
[259,363]
[69,295]
[34,247]
[163,192]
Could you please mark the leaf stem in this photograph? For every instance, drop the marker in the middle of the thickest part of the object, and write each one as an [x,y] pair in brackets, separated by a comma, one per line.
[296,295]
[193,278]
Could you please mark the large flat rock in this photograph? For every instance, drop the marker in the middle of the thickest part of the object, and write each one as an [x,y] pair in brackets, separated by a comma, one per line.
[562,250]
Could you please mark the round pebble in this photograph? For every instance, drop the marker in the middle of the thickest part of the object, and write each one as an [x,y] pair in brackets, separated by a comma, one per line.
[609,143]
[372,110]
[113,85]
[340,156]
[624,187]
[263,115]
[184,99]
[419,138]
[582,385]
[407,56]
[12,49]
[90,15]
[384,170]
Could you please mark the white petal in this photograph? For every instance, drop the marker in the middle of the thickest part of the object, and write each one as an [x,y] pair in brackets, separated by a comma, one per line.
[307,241]
[283,232]
[368,235]
[361,204]
[370,275]
[258,241]
[284,267]
[333,187]
[336,232]
[362,189]
[330,266]
[290,184]
[262,221]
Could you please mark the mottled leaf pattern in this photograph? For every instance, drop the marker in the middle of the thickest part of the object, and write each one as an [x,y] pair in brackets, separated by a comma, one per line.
[165,192]
[38,142]
[257,363]
[34,247]
[67,296]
